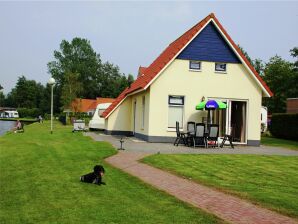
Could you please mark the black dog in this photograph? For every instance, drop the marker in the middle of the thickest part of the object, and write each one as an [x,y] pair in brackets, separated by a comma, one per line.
[94,177]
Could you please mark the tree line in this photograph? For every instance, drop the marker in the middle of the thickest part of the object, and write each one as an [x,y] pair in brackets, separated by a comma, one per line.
[79,73]
[281,76]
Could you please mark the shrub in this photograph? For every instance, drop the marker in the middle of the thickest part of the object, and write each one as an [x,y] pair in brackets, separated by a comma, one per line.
[62,118]
[284,126]
[29,112]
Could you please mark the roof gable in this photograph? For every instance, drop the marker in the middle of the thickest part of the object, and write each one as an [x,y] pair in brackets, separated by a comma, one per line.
[172,51]
[209,45]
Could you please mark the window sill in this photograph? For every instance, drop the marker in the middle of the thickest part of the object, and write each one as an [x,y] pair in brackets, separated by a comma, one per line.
[173,129]
[220,72]
[194,70]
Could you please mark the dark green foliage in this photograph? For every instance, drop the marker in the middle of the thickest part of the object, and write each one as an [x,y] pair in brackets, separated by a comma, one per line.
[97,78]
[294,53]
[62,119]
[2,99]
[282,80]
[29,112]
[284,126]
[71,89]
[79,73]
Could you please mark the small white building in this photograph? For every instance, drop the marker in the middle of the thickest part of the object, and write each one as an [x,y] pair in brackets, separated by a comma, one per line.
[9,113]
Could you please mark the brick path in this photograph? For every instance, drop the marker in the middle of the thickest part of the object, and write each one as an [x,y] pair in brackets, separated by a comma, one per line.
[227,207]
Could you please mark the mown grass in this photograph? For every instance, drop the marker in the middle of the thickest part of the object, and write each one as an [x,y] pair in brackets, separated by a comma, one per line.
[271,141]
[270,181]
[39,183]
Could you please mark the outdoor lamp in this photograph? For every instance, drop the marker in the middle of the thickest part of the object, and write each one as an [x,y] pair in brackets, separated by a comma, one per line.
[52,82]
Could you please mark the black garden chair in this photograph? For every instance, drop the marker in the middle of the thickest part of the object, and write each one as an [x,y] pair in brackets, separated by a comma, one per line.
[181,136]
[212,139]
[191,131]
[199,138]
[228,137]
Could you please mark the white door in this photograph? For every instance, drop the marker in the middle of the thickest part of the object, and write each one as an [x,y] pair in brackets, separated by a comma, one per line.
[237,120]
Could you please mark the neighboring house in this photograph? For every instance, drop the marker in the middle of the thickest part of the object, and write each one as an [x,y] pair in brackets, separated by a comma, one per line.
[88,105]
[292,105]
[202,63]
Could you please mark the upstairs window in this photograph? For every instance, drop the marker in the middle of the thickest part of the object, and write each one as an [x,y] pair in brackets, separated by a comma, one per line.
[195,65]
[220,67]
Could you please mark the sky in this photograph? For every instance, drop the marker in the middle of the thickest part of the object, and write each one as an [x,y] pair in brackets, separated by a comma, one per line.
[130,34]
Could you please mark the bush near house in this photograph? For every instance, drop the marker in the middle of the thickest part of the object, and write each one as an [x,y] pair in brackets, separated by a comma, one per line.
[284,126]
[29,112]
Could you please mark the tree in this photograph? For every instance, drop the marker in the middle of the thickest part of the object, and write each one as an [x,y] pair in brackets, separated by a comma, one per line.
[259,66]
[71,89]
[77,57]
[294,53]
[282,80]
[1,87]
[97,78]
[2,99]
[130,79]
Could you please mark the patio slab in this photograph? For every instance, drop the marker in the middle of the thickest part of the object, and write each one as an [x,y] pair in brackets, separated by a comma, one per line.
[132,144]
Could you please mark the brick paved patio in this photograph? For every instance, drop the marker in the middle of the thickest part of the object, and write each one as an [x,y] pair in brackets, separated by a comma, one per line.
[225,206]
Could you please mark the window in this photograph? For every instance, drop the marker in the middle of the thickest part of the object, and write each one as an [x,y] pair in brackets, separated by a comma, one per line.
[143,112]
[220,67]
[100,111]
[195,65]
[176,108]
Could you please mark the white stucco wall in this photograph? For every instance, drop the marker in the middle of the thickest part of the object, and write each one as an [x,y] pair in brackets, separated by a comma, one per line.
[120,119]
[237,83]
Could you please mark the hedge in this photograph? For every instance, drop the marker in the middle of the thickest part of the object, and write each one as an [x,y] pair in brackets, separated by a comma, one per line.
[284,126]
[29,112]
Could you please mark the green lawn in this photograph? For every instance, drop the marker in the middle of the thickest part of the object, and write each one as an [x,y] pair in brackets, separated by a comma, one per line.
[270,181]
[39,183]
[270,141]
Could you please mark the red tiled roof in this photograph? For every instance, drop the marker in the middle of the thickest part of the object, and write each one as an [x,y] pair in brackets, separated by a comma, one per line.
[168,54]
[104,100]
[85,105]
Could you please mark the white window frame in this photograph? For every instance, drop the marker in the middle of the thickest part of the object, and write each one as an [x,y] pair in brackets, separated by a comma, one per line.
[220,71]
[195,69]
[176,104]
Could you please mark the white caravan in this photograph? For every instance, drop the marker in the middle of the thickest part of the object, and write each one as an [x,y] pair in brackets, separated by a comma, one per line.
[10,114]
[264,114]
[98,122]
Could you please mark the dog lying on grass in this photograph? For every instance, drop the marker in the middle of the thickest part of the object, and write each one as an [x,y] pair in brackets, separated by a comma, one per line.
[95,177]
